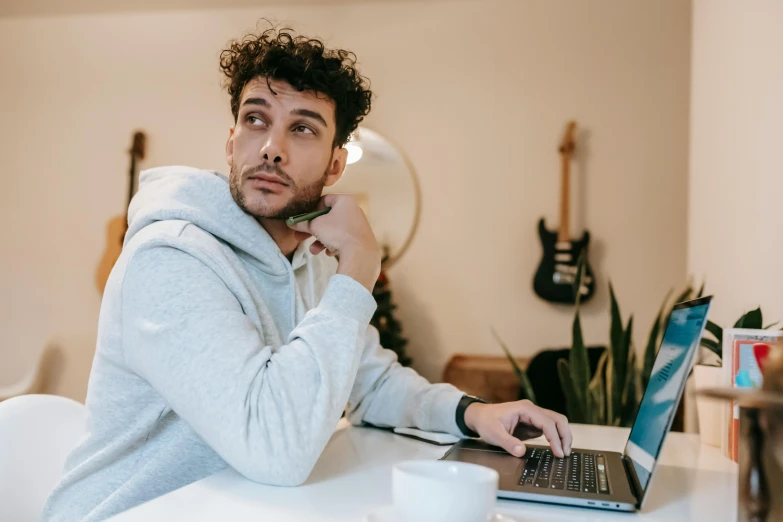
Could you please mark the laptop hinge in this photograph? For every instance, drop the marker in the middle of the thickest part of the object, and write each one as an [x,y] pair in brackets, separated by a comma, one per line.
[630,473]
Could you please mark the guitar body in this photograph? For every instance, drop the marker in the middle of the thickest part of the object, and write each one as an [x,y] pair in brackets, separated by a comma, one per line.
[115,235]
[118,225]
[556,275]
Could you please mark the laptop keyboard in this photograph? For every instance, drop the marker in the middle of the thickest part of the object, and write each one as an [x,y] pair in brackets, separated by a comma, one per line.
[581,471]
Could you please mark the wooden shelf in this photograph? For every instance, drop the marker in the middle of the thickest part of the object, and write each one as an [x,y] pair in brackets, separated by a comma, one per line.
[490,377]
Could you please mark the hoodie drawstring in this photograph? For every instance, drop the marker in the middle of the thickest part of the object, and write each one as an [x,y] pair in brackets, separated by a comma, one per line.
[309,261]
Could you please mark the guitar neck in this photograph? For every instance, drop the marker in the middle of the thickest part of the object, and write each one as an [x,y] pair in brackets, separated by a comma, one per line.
[563,234]
[136,152]
[131,176]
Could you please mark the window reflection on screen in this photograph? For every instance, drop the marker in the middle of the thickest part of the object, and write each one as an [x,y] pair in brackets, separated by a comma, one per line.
[661,397]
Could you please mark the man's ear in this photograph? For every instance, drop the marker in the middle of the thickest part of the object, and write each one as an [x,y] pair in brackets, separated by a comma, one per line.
[230,147]
[337,166]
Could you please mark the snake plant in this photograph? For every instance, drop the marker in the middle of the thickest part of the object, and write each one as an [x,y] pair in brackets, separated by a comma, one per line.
[611,395]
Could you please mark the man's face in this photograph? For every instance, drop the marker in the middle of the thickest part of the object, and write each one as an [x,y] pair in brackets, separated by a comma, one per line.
[280,150]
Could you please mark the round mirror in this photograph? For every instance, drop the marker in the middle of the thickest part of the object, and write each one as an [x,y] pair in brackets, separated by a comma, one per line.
[385,185]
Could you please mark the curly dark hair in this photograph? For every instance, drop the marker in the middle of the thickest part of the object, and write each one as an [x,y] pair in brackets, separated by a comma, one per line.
[305,64]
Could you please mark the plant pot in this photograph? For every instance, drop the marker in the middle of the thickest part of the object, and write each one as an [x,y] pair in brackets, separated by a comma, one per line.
[709,412]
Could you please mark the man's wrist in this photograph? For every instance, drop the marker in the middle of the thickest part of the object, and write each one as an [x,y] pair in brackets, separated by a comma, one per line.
[361,266]
[471,415]
[466,419]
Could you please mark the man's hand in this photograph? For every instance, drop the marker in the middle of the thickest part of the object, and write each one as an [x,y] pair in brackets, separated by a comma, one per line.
[496,424]
[346,233]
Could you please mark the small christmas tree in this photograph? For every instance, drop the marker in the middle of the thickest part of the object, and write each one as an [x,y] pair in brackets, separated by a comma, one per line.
[389,327]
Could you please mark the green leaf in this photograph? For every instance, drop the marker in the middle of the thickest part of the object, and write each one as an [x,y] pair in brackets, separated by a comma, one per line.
[751,320]
[628,340]
[619,352]
[772,325]
[652,343]
[573,404]
[631,385]
[594,410]
[701,291]
[711,345]
[524,382]
[755,319]
[598,378]
[684,296]
[715,330]
[527,387]
[630,357]
[579,364]
[631,372]
[596,392]
[630,395]
[609,386]
[580,272]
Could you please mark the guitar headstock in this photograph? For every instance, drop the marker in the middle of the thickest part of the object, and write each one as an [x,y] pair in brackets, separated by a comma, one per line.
[138,146]
[568,143]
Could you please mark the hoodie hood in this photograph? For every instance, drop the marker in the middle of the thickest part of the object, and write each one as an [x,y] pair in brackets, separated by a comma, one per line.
[201,197]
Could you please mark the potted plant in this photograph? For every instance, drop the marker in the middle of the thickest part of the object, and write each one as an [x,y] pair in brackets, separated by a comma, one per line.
[709,373]
[611,395]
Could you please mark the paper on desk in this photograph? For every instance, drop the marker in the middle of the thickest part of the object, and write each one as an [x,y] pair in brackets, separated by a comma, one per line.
[430,436]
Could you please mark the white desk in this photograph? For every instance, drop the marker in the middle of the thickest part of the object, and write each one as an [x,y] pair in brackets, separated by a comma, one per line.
[353,477]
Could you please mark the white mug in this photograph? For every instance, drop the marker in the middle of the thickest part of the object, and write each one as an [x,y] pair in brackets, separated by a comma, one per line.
[443,491]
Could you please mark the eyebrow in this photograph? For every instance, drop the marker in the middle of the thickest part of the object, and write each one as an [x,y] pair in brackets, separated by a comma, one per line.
[300,112]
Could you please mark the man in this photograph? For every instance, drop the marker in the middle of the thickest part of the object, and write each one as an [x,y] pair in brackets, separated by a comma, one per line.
[227,338]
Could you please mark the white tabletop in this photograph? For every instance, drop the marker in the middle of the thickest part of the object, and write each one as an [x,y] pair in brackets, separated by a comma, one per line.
[353,477]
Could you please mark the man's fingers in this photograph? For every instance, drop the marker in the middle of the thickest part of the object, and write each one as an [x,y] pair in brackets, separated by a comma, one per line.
[316,248]
[302,236]
[328,200]
[540,420]
[564,430]
[510,443]
[303,226]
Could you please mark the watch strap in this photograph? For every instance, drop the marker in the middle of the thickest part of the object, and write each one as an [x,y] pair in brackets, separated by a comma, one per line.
[463,404]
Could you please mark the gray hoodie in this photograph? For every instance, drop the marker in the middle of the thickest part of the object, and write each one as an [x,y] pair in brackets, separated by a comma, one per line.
[214,350]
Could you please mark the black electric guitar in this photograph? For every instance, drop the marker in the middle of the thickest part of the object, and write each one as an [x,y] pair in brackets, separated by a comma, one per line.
[557,274]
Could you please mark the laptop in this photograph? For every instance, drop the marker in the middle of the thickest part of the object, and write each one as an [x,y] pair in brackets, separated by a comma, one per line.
[605,479]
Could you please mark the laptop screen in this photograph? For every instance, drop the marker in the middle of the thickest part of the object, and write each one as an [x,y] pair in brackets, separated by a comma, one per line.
[667,381]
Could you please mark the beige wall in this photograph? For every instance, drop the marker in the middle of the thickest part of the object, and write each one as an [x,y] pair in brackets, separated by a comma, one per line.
[736,179]
[476,93]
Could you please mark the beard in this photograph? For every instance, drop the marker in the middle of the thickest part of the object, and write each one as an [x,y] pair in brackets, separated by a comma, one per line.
[304,199]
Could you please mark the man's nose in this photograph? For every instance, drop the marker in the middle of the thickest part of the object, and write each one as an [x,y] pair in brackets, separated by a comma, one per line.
[274,149]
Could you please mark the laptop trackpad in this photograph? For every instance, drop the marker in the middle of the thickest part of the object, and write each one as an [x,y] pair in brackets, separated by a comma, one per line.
[503,463]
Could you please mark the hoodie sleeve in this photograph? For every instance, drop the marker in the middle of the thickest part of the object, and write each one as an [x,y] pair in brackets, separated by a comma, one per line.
[387,394]
[267,411]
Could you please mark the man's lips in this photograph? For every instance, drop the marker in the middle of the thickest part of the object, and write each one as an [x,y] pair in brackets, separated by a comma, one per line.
[269,178]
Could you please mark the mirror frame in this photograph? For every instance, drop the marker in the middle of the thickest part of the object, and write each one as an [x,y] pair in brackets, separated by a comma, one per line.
[392,259]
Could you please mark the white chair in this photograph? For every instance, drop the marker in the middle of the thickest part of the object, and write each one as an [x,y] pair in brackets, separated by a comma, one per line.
[29,381]
[36,434]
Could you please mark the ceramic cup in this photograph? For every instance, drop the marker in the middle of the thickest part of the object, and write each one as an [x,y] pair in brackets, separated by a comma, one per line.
[443,491]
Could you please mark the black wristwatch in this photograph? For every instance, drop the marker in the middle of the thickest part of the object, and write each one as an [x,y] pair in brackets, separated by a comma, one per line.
[463,404]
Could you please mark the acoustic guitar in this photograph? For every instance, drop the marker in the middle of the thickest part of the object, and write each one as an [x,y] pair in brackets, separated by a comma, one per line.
[557,274]
[118,225]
